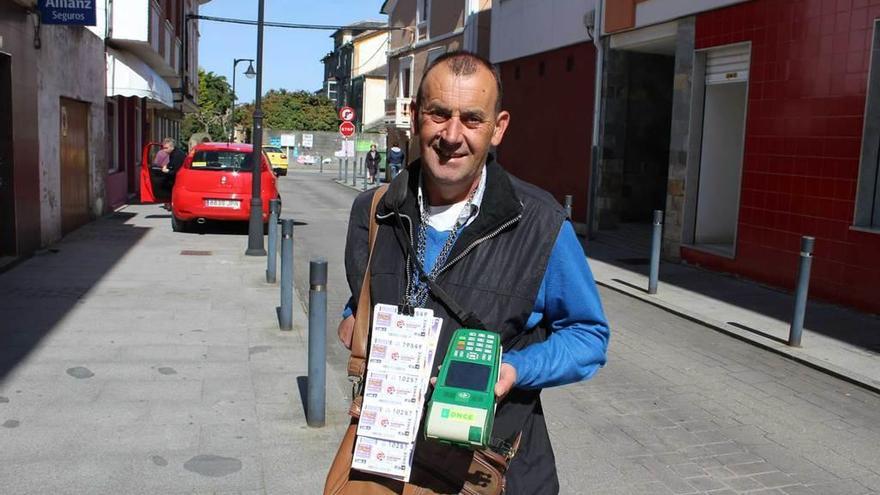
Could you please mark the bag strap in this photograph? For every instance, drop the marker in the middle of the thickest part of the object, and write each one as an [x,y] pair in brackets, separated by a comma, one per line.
[357,363]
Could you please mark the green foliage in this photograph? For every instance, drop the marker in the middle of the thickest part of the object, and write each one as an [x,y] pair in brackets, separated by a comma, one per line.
[214,102]
[291,110]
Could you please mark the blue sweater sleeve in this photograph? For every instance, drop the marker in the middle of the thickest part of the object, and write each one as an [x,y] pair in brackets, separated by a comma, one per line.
[568,302]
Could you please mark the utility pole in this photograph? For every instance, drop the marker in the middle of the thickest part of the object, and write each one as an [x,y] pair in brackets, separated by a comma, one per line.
[255,225]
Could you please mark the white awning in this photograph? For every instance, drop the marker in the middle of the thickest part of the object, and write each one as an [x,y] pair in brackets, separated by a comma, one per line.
[129,76]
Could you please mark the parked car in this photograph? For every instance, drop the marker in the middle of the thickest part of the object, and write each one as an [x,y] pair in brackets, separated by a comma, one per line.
[214,183]
[277,158]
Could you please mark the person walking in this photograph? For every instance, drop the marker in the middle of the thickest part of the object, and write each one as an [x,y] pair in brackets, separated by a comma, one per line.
[372,161]
[396,159]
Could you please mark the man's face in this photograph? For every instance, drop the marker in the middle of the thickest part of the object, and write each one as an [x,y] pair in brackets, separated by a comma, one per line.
[456,125]
[168,147]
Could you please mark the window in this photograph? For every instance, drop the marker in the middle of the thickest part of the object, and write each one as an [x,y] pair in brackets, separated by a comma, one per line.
[867,214]
[223,160]
[423,8]
[405,79]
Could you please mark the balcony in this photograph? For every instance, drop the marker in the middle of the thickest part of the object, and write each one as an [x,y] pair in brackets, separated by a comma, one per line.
[397,112]
[140,27]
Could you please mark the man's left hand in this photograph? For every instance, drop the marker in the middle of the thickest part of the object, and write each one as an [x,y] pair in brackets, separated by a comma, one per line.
[506,380]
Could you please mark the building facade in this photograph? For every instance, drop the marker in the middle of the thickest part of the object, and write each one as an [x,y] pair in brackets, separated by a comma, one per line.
[357,50]
[757,123]
[78,103]
[52,96]
[152,80]
[421,31]
[547,60]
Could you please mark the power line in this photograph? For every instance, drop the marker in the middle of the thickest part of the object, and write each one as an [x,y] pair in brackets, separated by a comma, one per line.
[289,25]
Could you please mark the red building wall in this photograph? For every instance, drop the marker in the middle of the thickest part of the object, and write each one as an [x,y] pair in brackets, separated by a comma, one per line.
[551,125]
[807,90]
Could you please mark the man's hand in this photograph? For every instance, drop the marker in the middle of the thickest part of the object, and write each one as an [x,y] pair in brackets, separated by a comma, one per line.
[506,380]
[345,329]
[165,170]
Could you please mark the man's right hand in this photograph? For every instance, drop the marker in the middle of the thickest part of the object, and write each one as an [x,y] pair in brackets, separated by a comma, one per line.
[345,330]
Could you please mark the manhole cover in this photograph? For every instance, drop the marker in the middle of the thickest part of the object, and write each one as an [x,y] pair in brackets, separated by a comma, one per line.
[190,252]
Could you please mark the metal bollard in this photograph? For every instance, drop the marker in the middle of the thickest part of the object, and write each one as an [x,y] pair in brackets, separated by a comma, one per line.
[801,290]
[339,169]
[656,239]
[272,259]
[317,342]
[345,172]
[285,312]
[321,158]
[354,171]
[568,200]
[364,170]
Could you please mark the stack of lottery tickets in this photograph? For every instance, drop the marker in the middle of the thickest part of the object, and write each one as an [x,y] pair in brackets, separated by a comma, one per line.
[402,350]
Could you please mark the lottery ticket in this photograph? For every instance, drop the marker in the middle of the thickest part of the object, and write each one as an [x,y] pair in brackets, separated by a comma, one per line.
[399,355]
[396,423]
[395,389]
[392,459]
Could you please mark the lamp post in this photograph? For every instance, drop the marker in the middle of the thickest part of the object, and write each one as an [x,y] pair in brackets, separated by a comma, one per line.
[250,74]
[255,225]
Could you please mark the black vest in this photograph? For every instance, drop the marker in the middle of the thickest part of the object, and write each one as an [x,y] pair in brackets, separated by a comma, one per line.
[494,270]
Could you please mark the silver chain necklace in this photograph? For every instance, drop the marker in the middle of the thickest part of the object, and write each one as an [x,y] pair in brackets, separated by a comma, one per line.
[416,290]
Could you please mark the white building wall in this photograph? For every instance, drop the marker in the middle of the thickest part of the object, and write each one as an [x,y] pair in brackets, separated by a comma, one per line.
[374,103]
[370,54]
[71,64]
[526,27]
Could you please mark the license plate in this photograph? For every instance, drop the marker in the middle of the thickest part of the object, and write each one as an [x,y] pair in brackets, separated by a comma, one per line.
[223,203]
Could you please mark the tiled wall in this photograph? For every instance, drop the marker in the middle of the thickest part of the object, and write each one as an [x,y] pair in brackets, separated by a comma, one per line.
[807,88]
[550,100]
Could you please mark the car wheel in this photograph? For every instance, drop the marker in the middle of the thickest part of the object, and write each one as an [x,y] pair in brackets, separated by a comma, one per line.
[178,225]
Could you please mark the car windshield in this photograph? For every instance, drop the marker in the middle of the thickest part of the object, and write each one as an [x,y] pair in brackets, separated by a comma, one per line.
[222,160]
[272,149]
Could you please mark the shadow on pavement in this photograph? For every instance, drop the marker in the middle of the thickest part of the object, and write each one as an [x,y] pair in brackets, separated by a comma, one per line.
[40,292]
[629,249]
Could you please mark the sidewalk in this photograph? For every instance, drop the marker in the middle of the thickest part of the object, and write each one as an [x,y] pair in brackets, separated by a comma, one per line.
[837,340]
[138,360]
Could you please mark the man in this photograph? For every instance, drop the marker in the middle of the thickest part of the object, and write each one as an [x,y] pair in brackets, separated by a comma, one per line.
[498,246]
[395,160]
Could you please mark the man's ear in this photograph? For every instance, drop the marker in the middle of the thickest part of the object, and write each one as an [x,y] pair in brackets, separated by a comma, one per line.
[414,117]
[501,122]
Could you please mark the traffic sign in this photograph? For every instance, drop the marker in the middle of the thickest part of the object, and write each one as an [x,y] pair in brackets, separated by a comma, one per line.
[346,114]
[346,129]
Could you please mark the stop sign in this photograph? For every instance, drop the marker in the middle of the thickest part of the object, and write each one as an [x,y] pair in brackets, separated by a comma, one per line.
[346,129]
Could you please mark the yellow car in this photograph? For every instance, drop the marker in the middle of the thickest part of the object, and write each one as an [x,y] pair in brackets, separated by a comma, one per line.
[277,158]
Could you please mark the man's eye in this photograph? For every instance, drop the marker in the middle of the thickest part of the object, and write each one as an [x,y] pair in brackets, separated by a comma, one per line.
[438,117]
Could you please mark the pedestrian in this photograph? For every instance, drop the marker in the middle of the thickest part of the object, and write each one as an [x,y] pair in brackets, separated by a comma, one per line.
[498,246]
[372,161]
[396,159]
[172,162]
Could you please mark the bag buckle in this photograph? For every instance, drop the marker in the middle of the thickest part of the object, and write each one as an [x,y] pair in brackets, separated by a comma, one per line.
[356,386]
[503,447]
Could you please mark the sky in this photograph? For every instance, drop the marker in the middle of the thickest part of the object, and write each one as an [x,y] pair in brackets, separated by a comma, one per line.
[291,57]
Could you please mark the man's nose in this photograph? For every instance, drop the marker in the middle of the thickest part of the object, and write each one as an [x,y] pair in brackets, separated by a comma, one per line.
[451,132]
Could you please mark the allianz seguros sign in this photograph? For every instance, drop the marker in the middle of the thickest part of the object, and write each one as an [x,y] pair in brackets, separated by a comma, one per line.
[69,12]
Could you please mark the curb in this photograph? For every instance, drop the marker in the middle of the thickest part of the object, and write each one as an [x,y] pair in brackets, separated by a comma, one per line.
[749,338]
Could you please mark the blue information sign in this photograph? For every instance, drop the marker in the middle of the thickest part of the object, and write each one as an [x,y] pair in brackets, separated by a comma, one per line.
[71,12]
[275,141]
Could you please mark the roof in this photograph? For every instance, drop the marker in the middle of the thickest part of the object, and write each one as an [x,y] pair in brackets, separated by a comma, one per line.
[361,26]
[242,147]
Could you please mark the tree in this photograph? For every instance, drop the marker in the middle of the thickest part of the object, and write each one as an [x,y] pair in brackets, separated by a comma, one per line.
[291,110]
[214,102]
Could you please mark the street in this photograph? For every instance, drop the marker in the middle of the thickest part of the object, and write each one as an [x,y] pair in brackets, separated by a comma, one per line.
[138,360]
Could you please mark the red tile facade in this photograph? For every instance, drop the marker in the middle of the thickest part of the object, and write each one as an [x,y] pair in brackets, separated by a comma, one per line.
[807,90]
[549,97]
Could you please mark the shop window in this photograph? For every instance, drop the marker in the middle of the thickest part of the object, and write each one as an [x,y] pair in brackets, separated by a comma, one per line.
[867,212]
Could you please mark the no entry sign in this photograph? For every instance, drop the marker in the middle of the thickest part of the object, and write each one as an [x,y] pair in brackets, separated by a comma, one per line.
[346,129]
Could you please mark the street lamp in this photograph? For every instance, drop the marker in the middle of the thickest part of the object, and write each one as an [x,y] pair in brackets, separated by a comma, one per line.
[250,74]
[255,225]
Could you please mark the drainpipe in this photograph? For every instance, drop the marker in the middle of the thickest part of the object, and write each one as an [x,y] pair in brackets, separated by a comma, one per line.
[592,200]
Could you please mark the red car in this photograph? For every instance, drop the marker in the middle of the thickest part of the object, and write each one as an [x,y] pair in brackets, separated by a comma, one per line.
[214,183]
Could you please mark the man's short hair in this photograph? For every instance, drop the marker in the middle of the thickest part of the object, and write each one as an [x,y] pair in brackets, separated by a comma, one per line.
[168,141]
[462,63]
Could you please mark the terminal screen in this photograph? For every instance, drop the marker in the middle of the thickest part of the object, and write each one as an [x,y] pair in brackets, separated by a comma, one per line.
[470,376]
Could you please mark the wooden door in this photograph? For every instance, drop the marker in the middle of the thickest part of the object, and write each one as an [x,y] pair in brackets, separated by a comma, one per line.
[74,164]
[7,193]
